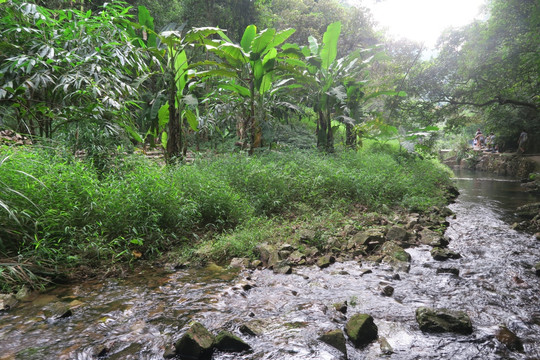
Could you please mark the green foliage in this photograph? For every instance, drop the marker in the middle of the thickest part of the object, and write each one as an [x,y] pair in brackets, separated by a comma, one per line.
[67,66]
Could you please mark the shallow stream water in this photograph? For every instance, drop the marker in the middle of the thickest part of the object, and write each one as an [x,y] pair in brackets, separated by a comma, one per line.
[141,316]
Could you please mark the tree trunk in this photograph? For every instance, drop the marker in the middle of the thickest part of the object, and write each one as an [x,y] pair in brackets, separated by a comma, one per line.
[329,134]
[174,133]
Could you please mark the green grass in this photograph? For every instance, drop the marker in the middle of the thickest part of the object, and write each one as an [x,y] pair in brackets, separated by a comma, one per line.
[60,209]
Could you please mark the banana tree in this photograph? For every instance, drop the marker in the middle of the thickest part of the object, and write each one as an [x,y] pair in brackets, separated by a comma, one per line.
[335,86]
[175,107]
[250,69]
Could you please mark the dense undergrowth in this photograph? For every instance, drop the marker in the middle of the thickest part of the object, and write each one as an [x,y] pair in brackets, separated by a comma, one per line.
[61,212]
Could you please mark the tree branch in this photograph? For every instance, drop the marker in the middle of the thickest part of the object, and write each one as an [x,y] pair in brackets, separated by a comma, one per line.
[498,100]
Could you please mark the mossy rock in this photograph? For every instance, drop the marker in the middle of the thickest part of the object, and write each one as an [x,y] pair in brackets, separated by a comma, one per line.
[361,329]
[196,343]
[228,342]
[336,339]
[443,320]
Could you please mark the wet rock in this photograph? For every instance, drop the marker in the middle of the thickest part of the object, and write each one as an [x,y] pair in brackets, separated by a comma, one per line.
[509,338]
[443,320]
[386,348]
[453,271]
[365,271]
[397,234]
[341,307]
[269,255]
[442,254]
[226,341]
[169,353]
[7,301]
[387,290]
[537,268]
[528,211]
[58,311]
[430,237]
[22,293]
[361,329]
[253,328]
[239,263]
[336,339]
[395,256]
[196,343]
[325,261]
[282,268]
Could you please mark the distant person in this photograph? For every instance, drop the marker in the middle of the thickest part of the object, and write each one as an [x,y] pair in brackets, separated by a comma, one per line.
[479,139]
[490,142]
[522,141]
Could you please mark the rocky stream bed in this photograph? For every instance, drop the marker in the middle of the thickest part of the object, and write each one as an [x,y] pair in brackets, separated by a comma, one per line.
[396,290]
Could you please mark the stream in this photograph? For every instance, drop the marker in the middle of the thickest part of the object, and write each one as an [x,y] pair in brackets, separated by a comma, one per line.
[143,315]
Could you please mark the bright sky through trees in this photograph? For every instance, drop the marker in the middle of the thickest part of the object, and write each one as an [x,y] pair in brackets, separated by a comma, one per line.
[422,20]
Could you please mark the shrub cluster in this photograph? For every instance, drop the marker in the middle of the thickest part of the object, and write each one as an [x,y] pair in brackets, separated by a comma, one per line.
[57,207]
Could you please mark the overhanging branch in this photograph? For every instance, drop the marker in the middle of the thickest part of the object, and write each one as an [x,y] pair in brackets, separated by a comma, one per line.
[498,100]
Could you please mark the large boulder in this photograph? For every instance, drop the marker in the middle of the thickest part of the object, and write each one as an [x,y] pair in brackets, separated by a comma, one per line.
[226,341]
[197,343]
[443,320]
[336,339]
[361,329]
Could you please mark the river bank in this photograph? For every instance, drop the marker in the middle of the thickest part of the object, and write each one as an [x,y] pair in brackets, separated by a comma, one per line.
[306,314]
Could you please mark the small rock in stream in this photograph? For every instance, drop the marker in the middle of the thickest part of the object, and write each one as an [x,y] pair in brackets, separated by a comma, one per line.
[387,290]
[537,268]
[336,339]
[441,254]
[386,348]
[453,271]
[341,307]
[509,338]
[196,343]
[443,320]
[226,341]
[361,329]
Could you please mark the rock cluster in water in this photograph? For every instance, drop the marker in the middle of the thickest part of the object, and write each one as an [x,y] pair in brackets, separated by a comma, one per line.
[199,343]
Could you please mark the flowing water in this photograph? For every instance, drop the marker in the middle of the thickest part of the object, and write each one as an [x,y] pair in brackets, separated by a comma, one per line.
[140,317]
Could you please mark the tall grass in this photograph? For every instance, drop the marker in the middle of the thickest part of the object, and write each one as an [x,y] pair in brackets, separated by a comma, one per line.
[70,214]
